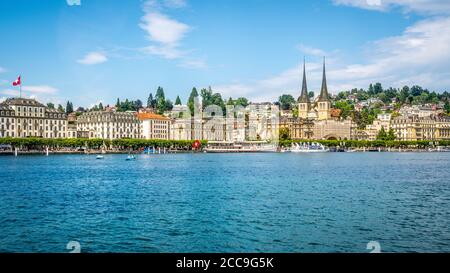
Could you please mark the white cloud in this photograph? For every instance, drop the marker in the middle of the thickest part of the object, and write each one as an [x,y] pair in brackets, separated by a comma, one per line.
[175,3]
[160,4]
[311,51]
[40,89]
[166,34]
[167,52]
[162,29]
[73,2]
[418,6]
[193,64]
[420,55]
[93,58]
[2,70]
[10,92]
[32,90]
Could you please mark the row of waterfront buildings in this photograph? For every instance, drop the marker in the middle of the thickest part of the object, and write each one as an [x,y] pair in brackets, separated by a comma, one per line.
[23,117]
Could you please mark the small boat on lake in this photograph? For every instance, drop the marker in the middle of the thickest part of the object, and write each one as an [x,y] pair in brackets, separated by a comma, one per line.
[100,157]
[309,148]
[130,157]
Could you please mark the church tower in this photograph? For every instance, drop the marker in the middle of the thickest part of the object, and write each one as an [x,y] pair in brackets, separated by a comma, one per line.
[304,105]
[324,103]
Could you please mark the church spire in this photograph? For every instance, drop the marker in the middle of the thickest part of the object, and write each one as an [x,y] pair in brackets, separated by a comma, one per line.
[324,91]
[304,97]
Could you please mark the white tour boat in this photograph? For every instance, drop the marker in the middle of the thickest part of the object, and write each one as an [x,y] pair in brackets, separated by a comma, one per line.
[309,148]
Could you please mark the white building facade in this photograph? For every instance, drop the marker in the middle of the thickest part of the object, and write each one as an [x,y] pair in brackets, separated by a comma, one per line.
[109,125]
[22,117]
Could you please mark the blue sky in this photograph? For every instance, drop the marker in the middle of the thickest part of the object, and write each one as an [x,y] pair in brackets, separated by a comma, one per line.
[100,50]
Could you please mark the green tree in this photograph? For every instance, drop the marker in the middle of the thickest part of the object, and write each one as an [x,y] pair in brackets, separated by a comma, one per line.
[371,90]
[286,102]
[383,97]
[311,94]
[362,95]
[391,135]
[51,105]
[447,107]
[242,102]
[377,88]
[60,108]
[206,95]
[216,99]
[69,107]
[137,105]
[191,101]
[160,100]
[284,134]
[178,101]
[230,101]
[118,105]
[382,134]
[404,94]
[151,102]
[169,105]
[100,106]
[416,90]
[345,107]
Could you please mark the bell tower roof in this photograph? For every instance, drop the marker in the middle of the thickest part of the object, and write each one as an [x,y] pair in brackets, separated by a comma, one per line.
[304,97]
[324,91]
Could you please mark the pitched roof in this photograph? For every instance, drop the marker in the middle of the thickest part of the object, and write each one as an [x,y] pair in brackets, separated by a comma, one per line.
[22,102]
[145,116]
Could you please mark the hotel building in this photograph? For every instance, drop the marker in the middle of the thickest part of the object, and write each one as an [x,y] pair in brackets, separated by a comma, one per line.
[22,117]
[414,128]
[109,125]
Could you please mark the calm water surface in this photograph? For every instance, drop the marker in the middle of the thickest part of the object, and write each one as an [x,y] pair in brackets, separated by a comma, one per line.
[334,202]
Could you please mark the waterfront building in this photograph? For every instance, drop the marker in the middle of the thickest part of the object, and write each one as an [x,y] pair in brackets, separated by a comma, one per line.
[109,125]
[334,129]
[154,126]
[23,117]
[261,121]
[299,128]
[415,128]
[214,129]
[180,129]
[72,130]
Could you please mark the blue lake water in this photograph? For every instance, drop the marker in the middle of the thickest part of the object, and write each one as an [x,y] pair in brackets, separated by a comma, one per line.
[331,202]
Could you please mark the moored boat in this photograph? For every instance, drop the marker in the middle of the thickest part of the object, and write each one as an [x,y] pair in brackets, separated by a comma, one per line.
[309,148]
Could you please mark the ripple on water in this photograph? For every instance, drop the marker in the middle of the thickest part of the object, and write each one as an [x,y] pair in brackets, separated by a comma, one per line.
[226,203]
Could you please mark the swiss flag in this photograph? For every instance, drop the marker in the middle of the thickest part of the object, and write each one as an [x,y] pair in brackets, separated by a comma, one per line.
[17,82]
[196,145]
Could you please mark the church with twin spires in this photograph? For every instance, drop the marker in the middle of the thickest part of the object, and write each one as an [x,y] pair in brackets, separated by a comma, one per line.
[321,108]
[316,119]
